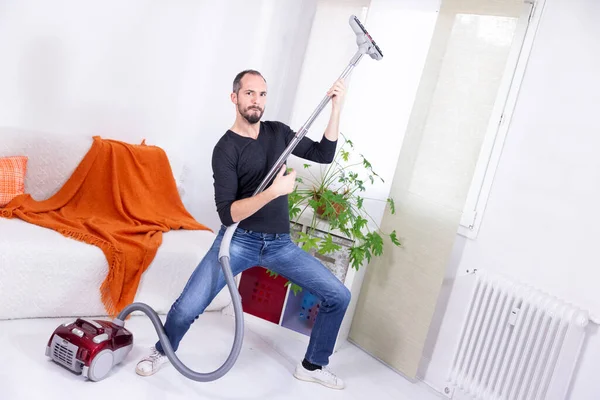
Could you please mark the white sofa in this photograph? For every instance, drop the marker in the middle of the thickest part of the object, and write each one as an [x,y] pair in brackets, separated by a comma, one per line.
[44,274]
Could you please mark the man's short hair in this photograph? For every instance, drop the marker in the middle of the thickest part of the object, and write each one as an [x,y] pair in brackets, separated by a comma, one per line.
[237,82]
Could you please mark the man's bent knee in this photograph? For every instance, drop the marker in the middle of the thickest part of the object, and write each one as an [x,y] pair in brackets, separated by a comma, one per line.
[341,297]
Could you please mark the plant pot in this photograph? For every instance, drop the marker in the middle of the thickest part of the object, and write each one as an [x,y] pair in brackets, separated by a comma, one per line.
[339,208]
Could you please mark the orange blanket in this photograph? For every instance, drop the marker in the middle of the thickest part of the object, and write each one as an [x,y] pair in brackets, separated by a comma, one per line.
[121,198]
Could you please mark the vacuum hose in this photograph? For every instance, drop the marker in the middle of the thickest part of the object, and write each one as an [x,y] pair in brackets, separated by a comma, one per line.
[366,46]
[164,340]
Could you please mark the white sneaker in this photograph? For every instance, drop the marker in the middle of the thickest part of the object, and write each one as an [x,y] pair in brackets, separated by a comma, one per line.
[151,364]
[323,376]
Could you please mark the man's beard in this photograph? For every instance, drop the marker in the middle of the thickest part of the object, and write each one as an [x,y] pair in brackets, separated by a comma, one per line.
[252,118]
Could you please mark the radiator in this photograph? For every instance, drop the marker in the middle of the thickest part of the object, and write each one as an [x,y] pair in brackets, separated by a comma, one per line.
[516,343]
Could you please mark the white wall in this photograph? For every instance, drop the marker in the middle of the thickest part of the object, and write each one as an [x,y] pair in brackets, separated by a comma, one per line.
[143,69]
[542,220]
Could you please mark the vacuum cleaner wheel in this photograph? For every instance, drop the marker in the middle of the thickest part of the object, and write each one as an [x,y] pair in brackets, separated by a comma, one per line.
[101,365]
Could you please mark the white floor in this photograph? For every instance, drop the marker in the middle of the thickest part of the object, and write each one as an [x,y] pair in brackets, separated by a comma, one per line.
[263,369]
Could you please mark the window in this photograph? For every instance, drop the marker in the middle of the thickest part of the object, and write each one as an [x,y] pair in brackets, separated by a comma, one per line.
[517,34]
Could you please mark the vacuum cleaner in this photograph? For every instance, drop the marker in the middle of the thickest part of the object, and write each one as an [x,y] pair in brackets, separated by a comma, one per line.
[92,347]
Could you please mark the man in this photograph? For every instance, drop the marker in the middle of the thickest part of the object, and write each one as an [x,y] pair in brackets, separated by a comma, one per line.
[241,159]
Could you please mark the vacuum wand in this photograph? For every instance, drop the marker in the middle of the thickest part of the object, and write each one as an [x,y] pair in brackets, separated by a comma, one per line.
[303,130]
[366,45]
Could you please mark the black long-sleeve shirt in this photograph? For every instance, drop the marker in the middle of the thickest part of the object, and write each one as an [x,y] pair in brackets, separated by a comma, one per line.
[240,164]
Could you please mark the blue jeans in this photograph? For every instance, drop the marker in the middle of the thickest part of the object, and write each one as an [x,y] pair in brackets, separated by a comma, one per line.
[278,253]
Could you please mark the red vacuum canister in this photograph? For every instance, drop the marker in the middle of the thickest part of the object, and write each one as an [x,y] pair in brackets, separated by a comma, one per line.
[89,347]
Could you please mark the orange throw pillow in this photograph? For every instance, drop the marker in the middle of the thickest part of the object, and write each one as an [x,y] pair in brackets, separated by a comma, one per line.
[12,178]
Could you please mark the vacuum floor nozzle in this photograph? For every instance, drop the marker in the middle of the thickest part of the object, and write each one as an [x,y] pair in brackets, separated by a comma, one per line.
[364,40]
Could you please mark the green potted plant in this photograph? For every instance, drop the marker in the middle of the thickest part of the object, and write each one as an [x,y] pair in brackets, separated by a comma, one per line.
[335,199]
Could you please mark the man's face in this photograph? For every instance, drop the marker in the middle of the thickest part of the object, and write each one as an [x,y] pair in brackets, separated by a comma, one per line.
[251,98]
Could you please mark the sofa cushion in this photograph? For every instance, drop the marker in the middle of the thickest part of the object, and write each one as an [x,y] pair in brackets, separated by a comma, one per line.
[52,158]
[12,178]
[44,274]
